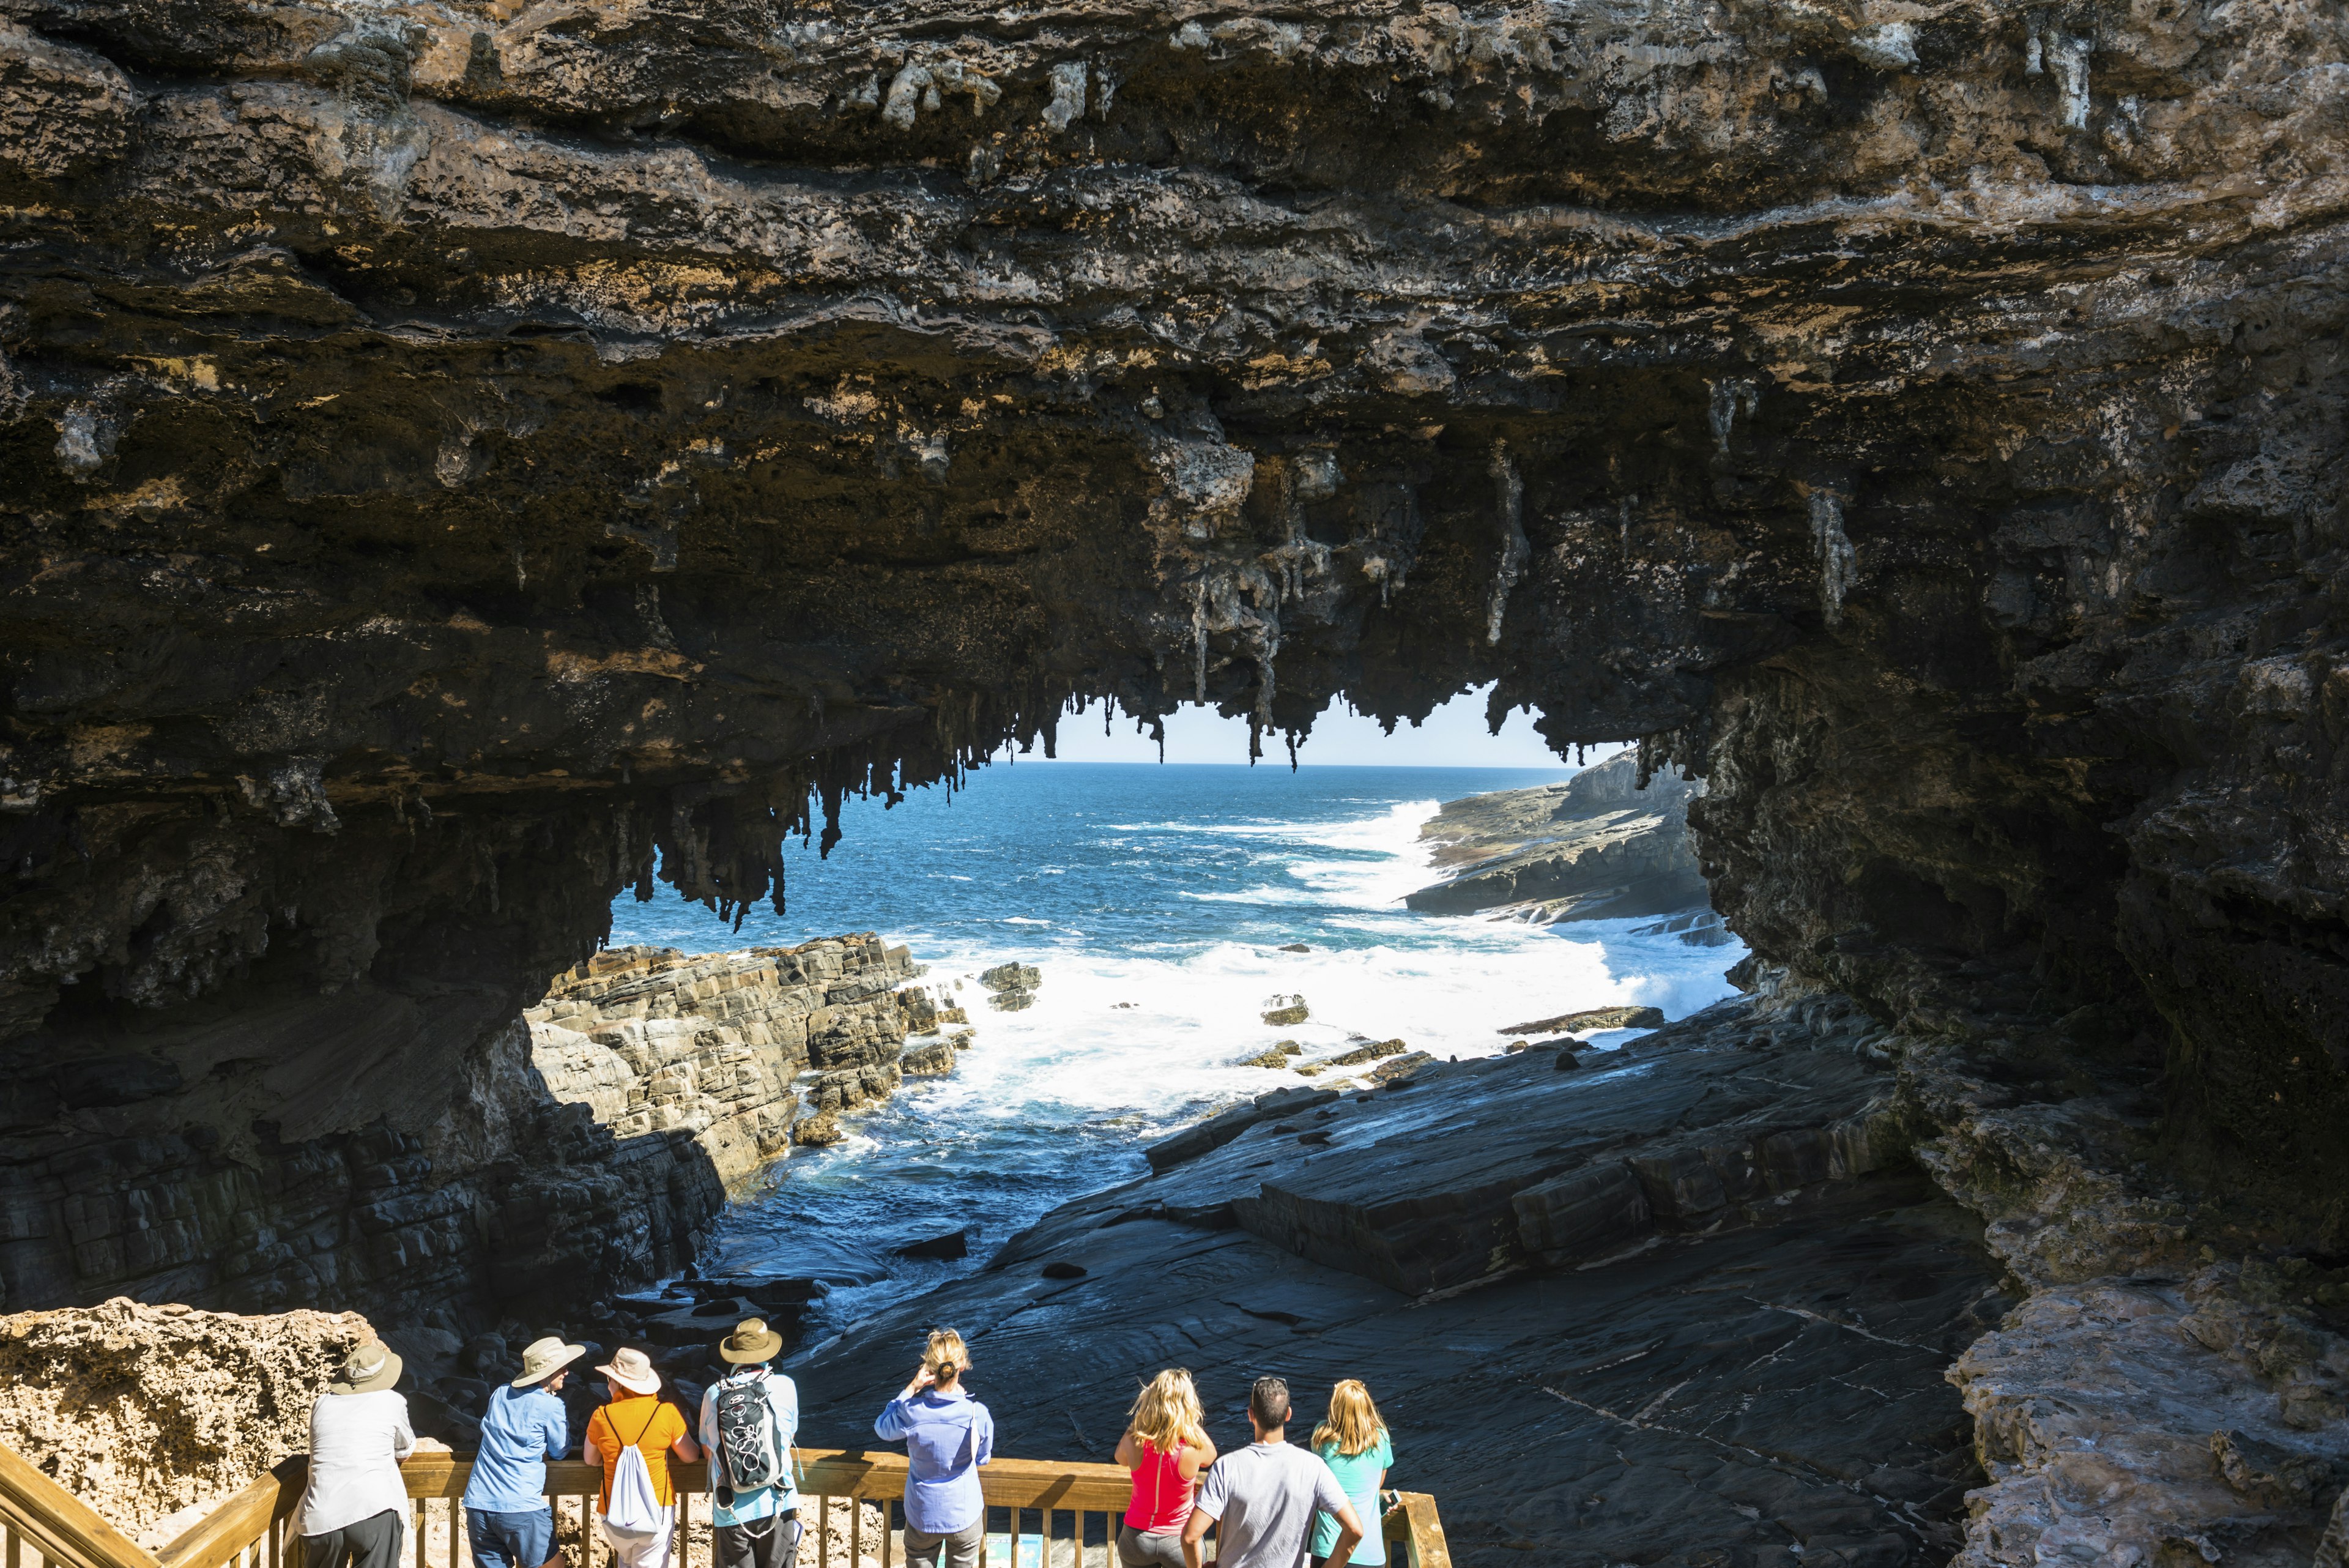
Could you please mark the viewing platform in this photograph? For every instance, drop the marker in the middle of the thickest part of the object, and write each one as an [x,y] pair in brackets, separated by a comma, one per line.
[1051,1515]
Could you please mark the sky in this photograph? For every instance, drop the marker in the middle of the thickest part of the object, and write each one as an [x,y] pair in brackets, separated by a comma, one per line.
[1452,737]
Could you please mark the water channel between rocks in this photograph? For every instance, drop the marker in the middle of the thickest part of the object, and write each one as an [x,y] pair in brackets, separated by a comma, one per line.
[1156,901]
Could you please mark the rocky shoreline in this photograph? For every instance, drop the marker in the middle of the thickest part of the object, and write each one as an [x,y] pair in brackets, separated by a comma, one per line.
[1605,844]
[1775,1284]
[1715,1296]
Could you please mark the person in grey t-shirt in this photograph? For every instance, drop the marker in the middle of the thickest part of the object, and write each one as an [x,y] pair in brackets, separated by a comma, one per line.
[1262,1498]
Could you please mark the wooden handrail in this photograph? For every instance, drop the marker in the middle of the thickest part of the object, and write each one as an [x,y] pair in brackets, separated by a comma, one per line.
[877,1475]
[1422,1535]
[273,1495]
[64,1528]
[70,1534]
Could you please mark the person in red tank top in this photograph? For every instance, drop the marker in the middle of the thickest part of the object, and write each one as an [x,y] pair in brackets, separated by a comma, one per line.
[1165,1447]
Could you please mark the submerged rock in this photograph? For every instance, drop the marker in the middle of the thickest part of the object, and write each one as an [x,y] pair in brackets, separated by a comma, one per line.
[952,1245]
[1283,1013]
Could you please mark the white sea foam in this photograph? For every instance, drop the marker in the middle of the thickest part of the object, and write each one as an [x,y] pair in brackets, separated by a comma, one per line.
[1446,985]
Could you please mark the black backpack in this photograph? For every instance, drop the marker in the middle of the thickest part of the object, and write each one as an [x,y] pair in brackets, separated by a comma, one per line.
[749,1449]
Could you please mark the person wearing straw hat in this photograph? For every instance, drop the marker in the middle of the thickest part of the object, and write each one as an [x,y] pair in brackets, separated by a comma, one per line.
[749,1420]
[354,1510]
[637,1417]
[508,1521]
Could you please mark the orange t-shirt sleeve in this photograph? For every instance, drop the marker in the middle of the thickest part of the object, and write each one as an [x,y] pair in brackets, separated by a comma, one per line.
[667,1430]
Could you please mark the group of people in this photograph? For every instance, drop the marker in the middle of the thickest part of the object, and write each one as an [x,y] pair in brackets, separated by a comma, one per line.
[1273,1504]
[354,1509]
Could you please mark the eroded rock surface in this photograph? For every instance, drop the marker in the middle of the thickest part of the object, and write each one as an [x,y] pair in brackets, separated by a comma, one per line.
[652,1041]
[152,1414]
[2132,1423]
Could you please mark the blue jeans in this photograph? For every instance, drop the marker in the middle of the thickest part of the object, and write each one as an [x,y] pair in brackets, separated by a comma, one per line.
[511,1540]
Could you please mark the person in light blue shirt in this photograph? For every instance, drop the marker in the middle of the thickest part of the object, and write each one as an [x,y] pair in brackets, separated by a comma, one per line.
[947,1435]
[508,1521]
[758,1527]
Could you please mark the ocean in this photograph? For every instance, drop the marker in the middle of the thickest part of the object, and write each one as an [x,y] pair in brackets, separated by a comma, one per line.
[1155,899]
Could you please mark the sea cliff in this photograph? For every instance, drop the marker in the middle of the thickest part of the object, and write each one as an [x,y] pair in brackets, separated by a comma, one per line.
[1604,844]
[439,1180]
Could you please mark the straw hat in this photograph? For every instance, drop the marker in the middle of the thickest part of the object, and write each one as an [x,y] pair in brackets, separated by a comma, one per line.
[371,1366]
[544,1358]
[750,1342]
[632,1369]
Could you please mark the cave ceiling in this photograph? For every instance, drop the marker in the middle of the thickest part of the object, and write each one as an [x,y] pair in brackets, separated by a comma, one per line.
[453,450]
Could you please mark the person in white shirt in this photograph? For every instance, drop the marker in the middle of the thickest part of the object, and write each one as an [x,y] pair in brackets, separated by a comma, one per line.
[354,1509]
[1262,1498]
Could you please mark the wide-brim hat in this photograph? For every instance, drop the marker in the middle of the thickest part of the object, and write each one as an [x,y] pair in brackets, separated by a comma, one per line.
[371,1366]
[544,1358]
[750,1342]
[632,1369]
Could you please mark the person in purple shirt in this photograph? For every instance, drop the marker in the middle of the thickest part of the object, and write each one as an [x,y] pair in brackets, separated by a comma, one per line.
[947,1435]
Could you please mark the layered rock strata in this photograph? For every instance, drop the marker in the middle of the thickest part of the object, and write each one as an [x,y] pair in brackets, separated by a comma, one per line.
[654,1041]
[1606,844]
[580,1148]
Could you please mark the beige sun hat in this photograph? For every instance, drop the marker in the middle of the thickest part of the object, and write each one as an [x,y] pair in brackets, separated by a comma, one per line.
[371,1366]
[750,1342]
[632,1369]
[544,1358]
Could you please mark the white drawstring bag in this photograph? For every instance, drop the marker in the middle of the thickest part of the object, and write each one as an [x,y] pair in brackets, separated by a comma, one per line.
[635,1506]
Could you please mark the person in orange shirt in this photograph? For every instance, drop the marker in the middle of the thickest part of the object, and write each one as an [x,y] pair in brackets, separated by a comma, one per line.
[638,1418]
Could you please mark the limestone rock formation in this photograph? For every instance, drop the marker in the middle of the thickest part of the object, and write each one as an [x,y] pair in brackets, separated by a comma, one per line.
[585,1145]
[458,462]
[655,1042]
[2126,1422]
[1600,846]
[153,1413]
[1011,987]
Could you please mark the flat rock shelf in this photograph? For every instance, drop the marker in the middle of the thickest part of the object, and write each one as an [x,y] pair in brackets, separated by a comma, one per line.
[1731,1349]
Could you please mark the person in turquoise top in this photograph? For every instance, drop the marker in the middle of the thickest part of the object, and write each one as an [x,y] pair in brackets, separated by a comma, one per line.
[1352,1441]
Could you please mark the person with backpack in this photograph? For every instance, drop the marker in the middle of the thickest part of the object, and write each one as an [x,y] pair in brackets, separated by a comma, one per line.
[631,1437]
[947,1435]
[750,1419]
[509,1522]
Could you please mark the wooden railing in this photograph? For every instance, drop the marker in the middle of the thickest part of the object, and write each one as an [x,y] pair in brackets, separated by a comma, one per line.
[848,1511]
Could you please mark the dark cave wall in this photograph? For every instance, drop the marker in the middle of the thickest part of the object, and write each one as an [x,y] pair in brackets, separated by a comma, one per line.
[448,458]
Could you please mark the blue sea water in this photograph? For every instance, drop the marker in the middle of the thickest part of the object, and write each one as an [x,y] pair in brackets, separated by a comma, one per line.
[1155,902]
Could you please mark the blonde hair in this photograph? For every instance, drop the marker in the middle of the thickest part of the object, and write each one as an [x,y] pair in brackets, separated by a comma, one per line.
[947,1357]
[1166,1413]
[1352,1424]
